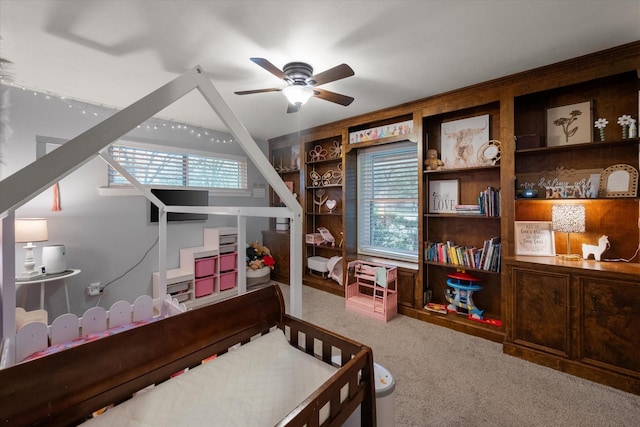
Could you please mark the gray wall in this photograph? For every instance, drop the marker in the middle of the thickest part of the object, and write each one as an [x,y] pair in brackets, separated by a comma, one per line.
[105,236]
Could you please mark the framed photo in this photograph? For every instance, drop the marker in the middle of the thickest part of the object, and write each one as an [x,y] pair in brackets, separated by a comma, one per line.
[461,141]
[443,196]
[534,238]
[570,124]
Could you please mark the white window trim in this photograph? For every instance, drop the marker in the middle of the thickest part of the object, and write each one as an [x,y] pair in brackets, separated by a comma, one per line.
[127,190]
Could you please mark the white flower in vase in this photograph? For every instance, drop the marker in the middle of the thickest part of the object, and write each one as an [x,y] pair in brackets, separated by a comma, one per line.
[624,121]
[601,124]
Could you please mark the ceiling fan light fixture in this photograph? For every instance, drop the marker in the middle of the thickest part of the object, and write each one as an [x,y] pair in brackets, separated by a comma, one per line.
[297,94]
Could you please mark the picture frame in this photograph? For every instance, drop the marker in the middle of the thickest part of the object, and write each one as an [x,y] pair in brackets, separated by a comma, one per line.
[619,181]
[461,141]
[443,196]
[534,238]
[570,124]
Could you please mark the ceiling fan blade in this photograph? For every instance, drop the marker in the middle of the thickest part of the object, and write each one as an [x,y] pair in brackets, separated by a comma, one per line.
[293,108]
[249,92]
[336,73]
[332,96]
[264,63]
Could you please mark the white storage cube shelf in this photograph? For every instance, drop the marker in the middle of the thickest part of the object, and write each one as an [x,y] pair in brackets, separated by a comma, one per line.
[207,273]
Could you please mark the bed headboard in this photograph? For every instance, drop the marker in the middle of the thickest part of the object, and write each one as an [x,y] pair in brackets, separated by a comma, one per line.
[79,380]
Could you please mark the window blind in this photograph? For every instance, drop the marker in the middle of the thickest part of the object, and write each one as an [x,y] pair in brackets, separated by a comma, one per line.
[158,168]
[388,202]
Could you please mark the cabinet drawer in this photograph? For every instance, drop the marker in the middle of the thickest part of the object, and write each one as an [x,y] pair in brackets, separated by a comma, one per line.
[228,280]
[177,288]
[228,261]
[205,266]
[228,239]
[204,287]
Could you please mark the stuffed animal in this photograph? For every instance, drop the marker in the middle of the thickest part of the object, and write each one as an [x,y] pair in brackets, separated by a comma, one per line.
[433,162]
[259,256]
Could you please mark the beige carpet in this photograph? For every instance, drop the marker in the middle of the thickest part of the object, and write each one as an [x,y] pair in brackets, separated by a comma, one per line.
[446,378]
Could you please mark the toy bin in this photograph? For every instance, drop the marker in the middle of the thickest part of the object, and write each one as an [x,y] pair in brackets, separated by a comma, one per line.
[228,280]
[205,266]
[228,261]
[204,286]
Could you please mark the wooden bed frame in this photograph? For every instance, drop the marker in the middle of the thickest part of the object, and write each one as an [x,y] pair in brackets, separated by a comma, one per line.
[66,387]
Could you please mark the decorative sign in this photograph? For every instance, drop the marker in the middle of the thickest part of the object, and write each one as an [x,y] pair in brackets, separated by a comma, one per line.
[443,196]
[386,131]
[562,183]
[534,238]
[462,140]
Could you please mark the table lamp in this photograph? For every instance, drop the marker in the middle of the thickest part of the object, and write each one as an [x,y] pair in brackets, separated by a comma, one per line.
[29,230]
[569,218]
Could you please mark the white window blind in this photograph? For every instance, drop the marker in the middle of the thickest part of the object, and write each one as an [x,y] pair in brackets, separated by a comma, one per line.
[164,168]
[388,202]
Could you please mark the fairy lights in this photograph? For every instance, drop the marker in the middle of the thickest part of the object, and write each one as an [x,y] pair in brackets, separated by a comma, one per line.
[87,108]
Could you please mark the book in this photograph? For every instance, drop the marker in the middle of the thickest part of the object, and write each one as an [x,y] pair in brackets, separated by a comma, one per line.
[436,308]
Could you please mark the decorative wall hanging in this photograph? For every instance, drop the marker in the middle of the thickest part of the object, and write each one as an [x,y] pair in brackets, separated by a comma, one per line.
[335,151]
[318,180]
[317,154]
[619,181]
[385,131]
[569,124]
[461,141]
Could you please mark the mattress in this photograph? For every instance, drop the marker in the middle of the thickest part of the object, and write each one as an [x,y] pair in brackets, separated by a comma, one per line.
[256,384]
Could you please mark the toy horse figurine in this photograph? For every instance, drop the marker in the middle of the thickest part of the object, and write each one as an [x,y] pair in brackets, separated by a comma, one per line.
[603,243]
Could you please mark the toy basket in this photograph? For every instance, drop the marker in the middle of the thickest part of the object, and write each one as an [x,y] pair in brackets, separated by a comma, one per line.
[372,289]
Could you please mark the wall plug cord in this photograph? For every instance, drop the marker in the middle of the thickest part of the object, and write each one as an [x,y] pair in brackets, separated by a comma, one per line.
[623,259]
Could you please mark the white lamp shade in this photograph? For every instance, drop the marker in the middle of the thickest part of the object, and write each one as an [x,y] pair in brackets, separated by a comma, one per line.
[297,94]
[31,230]
[569,218]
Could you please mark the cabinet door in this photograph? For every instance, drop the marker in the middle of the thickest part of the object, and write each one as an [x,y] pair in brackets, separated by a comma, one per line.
[278,243]
[610,323]
[541,310]
[406,285]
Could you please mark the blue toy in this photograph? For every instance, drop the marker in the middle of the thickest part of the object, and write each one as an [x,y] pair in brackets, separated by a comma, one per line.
[461,295]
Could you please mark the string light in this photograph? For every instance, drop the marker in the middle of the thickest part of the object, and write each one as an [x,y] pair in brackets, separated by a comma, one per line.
[89,108]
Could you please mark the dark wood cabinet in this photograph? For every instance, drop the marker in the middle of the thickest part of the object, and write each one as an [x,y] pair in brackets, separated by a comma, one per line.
[580,317]
[540,310]
[278,243]
[610,321]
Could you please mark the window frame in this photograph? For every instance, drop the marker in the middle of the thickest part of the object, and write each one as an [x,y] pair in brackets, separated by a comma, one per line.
[364,247]
[243,189]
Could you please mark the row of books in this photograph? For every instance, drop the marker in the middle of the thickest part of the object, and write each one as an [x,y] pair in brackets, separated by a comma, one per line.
[489,202]
[485,258]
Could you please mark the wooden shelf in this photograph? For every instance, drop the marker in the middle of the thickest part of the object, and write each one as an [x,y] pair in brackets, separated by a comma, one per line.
[462,170]
[596,145]
[460,267]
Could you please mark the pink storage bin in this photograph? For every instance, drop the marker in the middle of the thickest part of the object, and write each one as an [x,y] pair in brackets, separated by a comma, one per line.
[204,287]
[205,266]
[228,262]
[228,280]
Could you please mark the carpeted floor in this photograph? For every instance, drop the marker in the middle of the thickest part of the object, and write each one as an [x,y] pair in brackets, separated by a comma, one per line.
[446,378]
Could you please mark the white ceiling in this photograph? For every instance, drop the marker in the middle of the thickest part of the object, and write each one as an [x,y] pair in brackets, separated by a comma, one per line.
[113,52]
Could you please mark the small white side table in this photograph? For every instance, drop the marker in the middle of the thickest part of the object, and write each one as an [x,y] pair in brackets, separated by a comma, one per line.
[46,278]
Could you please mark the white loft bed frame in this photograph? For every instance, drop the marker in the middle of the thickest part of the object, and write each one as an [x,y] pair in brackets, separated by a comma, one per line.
[25,184]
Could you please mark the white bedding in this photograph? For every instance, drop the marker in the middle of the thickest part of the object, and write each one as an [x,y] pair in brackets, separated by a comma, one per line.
[254,385]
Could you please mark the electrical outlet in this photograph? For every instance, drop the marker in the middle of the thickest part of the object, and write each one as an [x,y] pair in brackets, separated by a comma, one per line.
[94,289]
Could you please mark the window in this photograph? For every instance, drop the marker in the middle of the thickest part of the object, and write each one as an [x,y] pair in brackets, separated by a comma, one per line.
[167,168]
[388,202]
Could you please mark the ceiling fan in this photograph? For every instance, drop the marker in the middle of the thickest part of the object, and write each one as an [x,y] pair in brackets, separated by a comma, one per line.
[303,84]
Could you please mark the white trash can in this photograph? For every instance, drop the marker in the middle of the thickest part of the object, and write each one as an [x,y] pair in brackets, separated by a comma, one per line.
[385,400]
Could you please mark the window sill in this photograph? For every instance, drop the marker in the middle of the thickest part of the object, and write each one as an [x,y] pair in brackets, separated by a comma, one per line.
[124,191]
